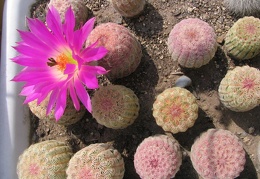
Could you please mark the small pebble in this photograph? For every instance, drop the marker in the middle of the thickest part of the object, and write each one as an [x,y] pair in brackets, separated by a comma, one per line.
[183,81]
[251,130]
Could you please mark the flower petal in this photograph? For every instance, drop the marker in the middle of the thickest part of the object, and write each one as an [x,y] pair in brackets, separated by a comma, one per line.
[61,103]
[69,25]
[94,54]
[89,79]
[74,96]
[52,100]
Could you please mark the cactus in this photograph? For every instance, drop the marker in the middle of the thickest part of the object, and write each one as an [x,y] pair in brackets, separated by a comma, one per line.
[243,7]
[124,50]
[218,153]
[158,157]
[175,110]
[78,7]
[128,8]
[115,106]
[239,90]
[192,42]
[243,38]
[96,161]
[48,159]
[70,116]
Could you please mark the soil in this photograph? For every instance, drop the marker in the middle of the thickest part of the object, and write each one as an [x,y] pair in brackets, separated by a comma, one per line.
[158,72]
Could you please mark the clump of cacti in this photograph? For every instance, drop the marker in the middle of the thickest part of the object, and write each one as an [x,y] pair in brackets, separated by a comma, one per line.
[192,42]
[218,153]
[243,7]
[70,116]
[239,90]
[128,8]
[158,157]
[115,106]
[175,110]
[124,50]
[48,159]
[243,38]
[96,161]
[78,7]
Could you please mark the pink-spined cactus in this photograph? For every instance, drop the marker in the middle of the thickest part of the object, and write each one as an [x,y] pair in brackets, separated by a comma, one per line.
[48,159]
[243,7]
[124,50]
[175,110]
[158,157]
[70,116]
[96,161]
[128,8]
[115,106]
[243,38]
[78,7]
[192,42]
[239,90]
[219,154]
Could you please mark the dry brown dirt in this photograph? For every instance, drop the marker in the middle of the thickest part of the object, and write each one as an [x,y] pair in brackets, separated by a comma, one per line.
[157,72]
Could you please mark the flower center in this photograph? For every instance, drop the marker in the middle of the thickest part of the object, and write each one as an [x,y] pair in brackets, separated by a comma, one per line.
[61,61]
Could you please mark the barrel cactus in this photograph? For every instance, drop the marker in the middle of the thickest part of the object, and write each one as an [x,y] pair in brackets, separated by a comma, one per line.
[128,8]
[218,153]
[48,159]
[96,161]
[192,42]
[175,110]
[243,38]
[239,90]
[243,7]
[158,157]
[124,50]
[115,106]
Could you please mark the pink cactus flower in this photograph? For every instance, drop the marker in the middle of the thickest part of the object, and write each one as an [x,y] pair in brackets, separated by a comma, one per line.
[56,63]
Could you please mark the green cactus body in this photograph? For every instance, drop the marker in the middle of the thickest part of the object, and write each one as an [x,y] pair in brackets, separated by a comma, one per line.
[96,161]
[239,90]
[243,38]
[115,106]
[175,110]
[128,8]
[48,159]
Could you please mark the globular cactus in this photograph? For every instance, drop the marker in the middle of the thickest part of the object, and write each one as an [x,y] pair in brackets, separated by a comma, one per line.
[124,50]
[243,7]
[70,116]
[175,110]
[115,106]
[48,159]
[192,42]
[243,38]
[96,161]
[128,8]
[158,157]
[219,154]
[78,7]
[239,90]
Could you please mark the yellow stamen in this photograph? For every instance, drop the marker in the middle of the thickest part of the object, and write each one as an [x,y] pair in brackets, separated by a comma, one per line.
[61,61]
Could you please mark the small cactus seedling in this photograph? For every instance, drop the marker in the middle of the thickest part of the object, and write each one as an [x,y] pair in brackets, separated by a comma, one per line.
[243,38]
[77,6]
[115,106]
[175,110]
[70,116]
[192,42]
[124,50]
[158,157]
[218,153]
[128,8]
[243,7]
[239,90]
[96,161]
[48,159]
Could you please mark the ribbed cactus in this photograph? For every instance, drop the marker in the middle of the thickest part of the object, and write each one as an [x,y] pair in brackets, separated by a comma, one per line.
[219,154]
[192,42]
[70,116]
[96,161]
[158,157]
[115,106]
[243,7]
[243,38]
[175,110]
[124,50]
[48,159]
[128,8]
[239,90]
